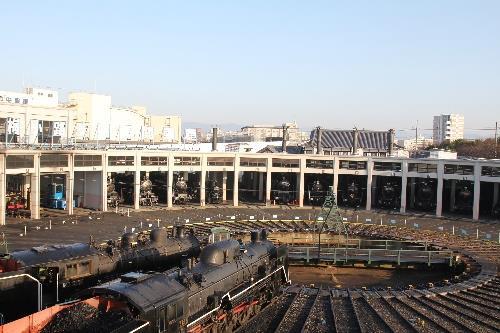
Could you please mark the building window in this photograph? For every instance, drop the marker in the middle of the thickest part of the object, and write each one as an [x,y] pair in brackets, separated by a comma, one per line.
[186,160]
[285,163]
[252,162]
[20,161]
[220,161]
[459,169]
[53,160]
[422,168]
[88,160]
[387,166]
[352,165]
[491,171]
[50,95]
[154,160]
[319,164]
[120,160]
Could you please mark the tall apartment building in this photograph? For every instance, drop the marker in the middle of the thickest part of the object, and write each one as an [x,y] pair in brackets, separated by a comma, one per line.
[448,128]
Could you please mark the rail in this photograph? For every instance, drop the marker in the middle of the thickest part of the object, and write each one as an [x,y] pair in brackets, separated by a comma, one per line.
[371,255]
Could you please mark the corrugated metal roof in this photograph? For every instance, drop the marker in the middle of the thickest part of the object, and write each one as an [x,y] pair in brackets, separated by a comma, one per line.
[344,139]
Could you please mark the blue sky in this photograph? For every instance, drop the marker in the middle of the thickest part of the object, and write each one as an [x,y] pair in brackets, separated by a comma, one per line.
[339,64]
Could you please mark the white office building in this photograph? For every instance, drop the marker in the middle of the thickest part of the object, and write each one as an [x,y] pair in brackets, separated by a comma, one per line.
[448,128]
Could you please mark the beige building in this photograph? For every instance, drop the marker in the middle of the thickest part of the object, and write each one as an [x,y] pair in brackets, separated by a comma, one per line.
[263,132]
[415,144]
[36,116]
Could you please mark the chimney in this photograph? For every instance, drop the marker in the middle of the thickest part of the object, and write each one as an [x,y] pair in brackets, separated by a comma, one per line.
[319,139]
[355,141]
[285,135]
[390,142]
[214,139]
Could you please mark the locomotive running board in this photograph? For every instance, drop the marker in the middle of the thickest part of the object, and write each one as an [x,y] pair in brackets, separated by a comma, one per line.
[241,293]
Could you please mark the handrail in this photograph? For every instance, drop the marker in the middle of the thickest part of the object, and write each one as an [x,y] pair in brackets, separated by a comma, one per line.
[32,278]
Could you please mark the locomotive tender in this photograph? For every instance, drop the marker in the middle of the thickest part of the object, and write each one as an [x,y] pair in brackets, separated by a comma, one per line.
[79,264]
[230,283]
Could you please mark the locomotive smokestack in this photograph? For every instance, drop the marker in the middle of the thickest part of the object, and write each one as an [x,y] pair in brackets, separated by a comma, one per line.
[319,138]
[355,141]
[285,134]
[390,142]
[214,139]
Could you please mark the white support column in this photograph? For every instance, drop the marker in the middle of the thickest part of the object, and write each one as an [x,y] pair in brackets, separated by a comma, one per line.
[369,170]
[453,194]
[3,188]
[224,186]
[404,184]
[203,179]
[301,181]
[70,184]
[261,186]
[170,180]
[235,180]
[439,190]
[477,191]
[35,189]
[269,165]
[335,177]
[104,183]
[137,186]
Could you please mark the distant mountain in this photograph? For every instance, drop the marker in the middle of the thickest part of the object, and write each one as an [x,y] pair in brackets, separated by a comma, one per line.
[207,127]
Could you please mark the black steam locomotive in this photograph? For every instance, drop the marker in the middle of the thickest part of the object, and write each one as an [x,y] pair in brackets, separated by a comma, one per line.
[352,196]
[283,195]
[230,283]
[181,195]
[213,192]
[73,266]
[464,199]
[316,193]
[425,198]
[390,196]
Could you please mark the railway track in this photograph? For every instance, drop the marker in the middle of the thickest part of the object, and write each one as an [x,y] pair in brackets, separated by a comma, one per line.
[344,316]
[296,316]
[321,319]
[369,320]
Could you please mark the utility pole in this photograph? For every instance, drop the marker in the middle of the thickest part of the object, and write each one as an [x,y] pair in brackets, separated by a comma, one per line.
[496,139]
[416,137]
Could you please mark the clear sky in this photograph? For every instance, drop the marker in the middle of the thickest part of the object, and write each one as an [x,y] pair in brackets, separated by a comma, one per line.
[339,64]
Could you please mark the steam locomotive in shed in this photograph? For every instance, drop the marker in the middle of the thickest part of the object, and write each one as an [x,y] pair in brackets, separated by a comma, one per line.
[66,268]
[283,194]
[425,197]
[113,198]
[229,285]
[213,192]
[147,196]
[316,193]
[390,196]
[180,193]
[464,198]
[352,196]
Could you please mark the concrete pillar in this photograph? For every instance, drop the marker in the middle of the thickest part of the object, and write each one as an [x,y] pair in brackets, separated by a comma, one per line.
[404,184]
[477,191]
[203,179]
[301,188]
[335,177]
[35,189]
[104,184]
[269,165]
[137,188]
[439,190]
[495,194]
[412,192]
[70,184]
[369,169]
[261,186]
[3,188]
[235,180]
[186,175]
[453,194]
[170,180]
[224,186]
